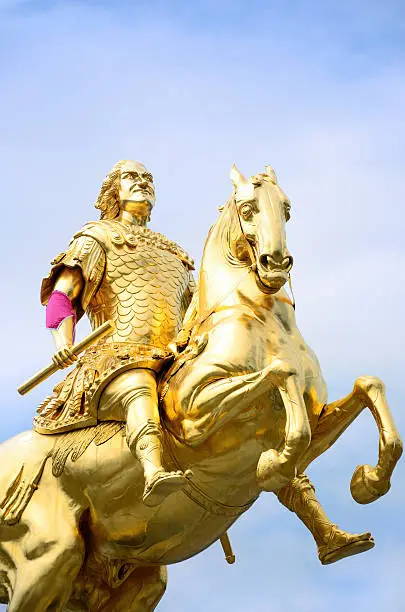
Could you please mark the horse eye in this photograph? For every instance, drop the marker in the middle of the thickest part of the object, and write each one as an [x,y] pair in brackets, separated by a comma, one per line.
[246,211]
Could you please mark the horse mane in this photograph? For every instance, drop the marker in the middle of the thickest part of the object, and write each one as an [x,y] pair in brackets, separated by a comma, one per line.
[229,232]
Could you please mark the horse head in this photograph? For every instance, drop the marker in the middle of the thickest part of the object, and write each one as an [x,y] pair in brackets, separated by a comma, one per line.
[263,209]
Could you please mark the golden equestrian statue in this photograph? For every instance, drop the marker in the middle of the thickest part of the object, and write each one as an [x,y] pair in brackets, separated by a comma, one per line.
[170,427]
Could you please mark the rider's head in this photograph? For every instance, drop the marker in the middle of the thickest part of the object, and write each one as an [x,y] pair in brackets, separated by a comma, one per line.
[128,186]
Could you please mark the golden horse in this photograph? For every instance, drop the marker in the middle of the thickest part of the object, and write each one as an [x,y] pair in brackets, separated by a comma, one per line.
[245,411]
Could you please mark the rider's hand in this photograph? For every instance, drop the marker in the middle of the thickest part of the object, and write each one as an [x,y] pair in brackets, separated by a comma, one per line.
[178,345]
[172,347]
[64,357]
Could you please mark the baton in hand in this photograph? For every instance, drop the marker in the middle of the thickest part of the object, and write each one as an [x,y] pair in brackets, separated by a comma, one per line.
[78,348]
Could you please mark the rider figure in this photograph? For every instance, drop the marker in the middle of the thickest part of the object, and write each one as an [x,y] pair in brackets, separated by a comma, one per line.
[118,269]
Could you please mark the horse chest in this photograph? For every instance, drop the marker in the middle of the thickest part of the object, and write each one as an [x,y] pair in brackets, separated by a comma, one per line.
[249,339]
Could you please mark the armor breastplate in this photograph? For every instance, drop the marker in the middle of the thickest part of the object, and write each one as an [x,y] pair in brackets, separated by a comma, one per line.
[145,286]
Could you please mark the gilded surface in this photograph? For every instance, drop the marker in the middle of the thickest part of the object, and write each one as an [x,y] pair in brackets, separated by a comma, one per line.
[141,282]
[243,411]
[145,287]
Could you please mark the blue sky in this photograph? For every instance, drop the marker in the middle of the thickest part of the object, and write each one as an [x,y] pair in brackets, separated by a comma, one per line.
[316,89]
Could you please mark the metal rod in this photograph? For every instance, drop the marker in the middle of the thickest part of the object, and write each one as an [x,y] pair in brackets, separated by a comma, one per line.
[78,348]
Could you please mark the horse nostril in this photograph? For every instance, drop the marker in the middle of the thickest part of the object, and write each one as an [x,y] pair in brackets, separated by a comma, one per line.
[269,262]
[287,263]
[265,261]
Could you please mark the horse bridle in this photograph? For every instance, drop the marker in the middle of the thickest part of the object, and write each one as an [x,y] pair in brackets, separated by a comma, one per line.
[249,269]
[253,266]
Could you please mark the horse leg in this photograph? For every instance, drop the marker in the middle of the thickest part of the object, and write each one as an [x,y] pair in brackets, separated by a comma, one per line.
[6,574]
[215,403]
[333,543]
[368,483]
[141,592]
[212,399]
[49,554]
[276,468]
[44,578]
[44,581]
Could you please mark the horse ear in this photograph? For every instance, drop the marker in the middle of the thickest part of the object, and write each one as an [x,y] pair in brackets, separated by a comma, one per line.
[271,174]
[236,177]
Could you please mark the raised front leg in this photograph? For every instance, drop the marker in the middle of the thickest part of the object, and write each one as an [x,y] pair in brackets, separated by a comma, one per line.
[368,483]
[216,403]
[276,468]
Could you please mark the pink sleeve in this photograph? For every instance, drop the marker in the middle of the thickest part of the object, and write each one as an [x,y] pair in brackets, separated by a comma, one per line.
[59,307]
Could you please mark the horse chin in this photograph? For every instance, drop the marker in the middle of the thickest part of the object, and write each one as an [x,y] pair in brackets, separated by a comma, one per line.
[271,282]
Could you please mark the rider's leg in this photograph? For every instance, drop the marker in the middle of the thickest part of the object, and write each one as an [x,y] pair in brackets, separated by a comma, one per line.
[135,391]
[368,483]
[333,543]
[141,592]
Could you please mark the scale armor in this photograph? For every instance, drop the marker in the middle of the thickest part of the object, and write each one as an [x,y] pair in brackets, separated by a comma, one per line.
[143,283]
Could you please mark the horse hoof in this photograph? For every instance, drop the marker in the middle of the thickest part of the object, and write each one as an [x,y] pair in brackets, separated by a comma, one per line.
[273,472]
[365,486]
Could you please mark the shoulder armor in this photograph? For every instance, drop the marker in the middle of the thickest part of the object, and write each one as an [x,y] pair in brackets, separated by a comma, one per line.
[86,253]
[100,231]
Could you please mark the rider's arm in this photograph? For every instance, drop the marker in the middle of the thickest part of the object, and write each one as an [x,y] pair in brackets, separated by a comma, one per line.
[60,313]
[74,278]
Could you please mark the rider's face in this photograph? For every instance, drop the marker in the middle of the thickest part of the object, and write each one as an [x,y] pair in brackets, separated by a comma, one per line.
[136,192]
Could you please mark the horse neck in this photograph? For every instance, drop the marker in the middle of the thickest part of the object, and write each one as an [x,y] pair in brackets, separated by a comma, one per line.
[220,269]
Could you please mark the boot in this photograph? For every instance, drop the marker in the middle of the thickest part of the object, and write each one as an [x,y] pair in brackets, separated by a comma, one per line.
[333,543]
[146,446]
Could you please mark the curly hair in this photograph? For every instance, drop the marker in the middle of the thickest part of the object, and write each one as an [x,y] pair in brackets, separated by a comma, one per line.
[108,200]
